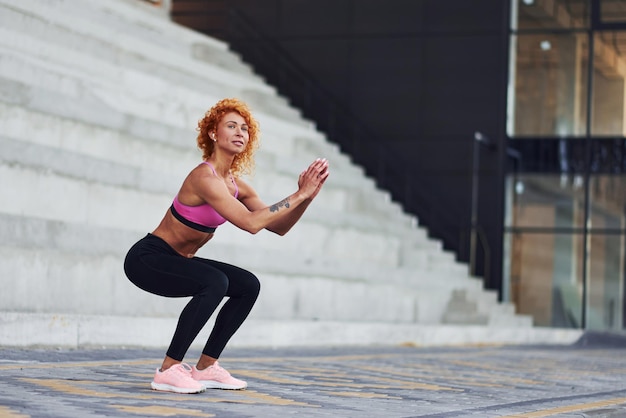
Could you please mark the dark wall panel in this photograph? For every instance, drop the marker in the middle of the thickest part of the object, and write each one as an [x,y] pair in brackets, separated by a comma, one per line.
[328,62]
[305,18]
[424,75]
[459,76]
[385,85]
[463,15]
[388,18]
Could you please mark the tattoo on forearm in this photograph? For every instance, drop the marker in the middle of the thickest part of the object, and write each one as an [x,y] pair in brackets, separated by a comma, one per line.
[276,206]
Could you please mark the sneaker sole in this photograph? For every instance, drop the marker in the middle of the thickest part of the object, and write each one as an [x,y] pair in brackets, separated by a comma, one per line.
[169,388]
[211,384]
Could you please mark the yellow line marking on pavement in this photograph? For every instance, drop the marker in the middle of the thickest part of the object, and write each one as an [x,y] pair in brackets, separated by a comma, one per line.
[315,378]
[73,387]
[330,358]
[472,376]
[142,376]
[270,376]
[161,411]
[109,363]
[404,383]
[570,408]
[321,359]
[91,364]
[475,383]
[492,368]
[319,371]
[356,357]
[473,379]
[275,400]
[77,387]
[284,360]
[336,378]
[6,412]
[482,366]
[367,395]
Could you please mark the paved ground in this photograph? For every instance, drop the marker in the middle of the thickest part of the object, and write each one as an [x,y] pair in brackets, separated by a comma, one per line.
[584,380]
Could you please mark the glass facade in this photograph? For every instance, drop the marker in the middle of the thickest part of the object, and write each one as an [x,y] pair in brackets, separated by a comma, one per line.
[550,88]
[565,222]
[612,11]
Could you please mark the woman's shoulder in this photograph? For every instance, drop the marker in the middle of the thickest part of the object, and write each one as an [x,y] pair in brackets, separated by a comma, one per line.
[201,177]
[203,171]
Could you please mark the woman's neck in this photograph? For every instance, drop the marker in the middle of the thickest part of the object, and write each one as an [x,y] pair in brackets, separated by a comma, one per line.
[221,165]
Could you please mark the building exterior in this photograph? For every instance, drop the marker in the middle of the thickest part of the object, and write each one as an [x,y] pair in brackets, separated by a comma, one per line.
[500,124]
[565,212]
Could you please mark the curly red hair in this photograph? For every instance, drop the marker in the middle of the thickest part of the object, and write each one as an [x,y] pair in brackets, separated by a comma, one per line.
[244,161]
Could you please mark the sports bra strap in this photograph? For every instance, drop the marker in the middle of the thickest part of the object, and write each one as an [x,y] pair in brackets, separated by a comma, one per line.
[210,165]
[231,177]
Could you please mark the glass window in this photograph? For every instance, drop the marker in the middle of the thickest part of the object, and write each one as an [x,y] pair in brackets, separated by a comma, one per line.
[605,300]
[544,268]
[606,252]
[551,14]
[546,201]
[545,277]
[550,89]
[613,11]
[608,83]
[608,202]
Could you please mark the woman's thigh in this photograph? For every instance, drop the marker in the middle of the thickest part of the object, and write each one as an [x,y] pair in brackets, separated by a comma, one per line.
[240,281]
[167,274]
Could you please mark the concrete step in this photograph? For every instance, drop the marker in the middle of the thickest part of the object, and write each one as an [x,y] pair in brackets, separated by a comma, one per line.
[61,330]
[90,280]
[460,310]
[129,18]
[473,306]
[66,157]
[96,285]
[30,113]
[38,128]
[31,84]
[132,64]
[69,237]
[66,90]
[344,175]
[74,176]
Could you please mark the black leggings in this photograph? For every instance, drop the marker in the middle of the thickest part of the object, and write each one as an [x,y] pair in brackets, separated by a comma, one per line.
[152,265]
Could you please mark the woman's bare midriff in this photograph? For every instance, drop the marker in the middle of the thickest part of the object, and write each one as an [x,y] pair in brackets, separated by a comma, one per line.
[184,240]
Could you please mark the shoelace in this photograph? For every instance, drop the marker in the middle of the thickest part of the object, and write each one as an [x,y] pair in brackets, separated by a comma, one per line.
[183,368]
[219,370]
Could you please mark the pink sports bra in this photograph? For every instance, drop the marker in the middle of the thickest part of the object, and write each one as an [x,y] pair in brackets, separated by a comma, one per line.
[202,217]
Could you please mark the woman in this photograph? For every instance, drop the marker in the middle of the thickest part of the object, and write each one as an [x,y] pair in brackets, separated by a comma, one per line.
[164,262]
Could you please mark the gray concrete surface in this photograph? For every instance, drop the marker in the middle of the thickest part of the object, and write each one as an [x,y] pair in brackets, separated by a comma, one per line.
[585,379]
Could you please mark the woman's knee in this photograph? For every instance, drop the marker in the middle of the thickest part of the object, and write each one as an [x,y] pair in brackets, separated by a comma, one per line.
[249,284]
[216,284]
[254,284]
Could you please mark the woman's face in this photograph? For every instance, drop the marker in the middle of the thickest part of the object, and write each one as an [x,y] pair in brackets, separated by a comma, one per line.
[232,132]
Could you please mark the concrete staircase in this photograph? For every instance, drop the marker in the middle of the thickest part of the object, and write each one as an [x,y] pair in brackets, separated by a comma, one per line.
[99,100]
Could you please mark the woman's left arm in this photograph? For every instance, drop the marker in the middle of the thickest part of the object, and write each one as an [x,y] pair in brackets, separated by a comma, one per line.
[252,201]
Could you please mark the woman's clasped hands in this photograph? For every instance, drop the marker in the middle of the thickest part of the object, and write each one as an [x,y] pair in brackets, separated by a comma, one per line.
[312,179]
